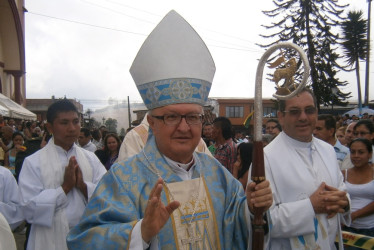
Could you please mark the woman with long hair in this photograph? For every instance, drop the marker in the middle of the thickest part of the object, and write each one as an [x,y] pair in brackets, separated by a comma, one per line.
[109,154]
[243,162]
[10,156]
[360,186]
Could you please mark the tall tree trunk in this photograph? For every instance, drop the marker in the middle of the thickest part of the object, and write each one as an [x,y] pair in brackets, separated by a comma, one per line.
[368,56]
[311,50]
[358,84]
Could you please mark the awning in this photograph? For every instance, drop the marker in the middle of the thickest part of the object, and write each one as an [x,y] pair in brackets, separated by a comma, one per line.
[14,110]
[356,111]
[4,111]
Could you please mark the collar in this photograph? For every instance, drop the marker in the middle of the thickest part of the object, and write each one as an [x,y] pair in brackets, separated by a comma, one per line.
[179,165]
[60,149]
[295,143]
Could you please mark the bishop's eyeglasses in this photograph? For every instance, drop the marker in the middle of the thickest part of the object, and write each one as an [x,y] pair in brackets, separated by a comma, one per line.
[174,119]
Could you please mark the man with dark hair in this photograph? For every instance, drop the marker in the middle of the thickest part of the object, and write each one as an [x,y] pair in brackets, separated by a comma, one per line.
[207,133]
[96,139]
[84,140]
[57,181]
[325,130]
[272,127]
[225,147]
[310,199]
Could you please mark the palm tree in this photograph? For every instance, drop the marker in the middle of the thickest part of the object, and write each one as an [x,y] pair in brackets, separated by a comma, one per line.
[355,44]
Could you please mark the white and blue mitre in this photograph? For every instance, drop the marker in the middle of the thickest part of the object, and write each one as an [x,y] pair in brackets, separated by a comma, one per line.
[173,65]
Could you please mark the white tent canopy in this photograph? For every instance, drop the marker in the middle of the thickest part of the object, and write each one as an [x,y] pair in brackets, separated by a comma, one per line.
[12,109]
[4,111]
[356,111]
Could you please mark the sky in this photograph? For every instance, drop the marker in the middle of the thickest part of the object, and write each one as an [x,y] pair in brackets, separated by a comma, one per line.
[83,49]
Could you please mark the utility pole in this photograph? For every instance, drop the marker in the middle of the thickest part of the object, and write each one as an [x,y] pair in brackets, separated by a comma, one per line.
[128,110]
[366,98]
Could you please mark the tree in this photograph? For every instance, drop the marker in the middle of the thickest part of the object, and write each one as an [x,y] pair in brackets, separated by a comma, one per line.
[95,124]
[308,23]
[355,44]
[111,125]
[88,120]
[122,132]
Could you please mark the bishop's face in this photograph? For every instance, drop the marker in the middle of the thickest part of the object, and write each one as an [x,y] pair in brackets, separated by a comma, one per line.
[178,141]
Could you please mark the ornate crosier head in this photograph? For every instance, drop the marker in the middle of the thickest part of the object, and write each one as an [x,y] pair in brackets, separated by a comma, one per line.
[297,62]
[290,65]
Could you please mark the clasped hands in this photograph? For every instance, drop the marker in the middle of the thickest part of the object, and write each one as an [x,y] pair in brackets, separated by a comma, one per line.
[73,177]
[329,200]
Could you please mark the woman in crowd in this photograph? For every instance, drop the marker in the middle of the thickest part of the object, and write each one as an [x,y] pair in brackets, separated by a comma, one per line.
[20,128]
[109,154]
[29,130]
[360,186]
[365,129]
[243,161]
[10,156]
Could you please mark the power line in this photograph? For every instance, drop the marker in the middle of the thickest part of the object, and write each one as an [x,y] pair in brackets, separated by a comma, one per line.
[126,31]
[118,12]
[130,7]
[147,12]
[87,24]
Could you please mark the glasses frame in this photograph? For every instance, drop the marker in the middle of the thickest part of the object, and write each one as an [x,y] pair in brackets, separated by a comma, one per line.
[297,112]
[162,117]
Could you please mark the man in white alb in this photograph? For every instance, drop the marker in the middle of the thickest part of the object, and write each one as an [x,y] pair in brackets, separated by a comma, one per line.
[57,181]
[310,199]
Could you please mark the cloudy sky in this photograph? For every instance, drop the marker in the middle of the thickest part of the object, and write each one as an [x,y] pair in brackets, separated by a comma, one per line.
[83,49]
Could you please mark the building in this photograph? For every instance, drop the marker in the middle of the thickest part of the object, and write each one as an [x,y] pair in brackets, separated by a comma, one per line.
[238,109]
[12,50]
[40,107]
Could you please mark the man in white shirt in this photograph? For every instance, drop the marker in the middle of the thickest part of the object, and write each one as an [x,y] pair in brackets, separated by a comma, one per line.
[325,130]
[84,140]
[310,199]
[57,181]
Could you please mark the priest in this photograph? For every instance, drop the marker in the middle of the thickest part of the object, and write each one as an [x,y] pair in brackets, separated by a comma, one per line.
[169,196]
[310,198]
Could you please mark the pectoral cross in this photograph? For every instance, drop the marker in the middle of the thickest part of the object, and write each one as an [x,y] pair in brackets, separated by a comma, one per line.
[191,239]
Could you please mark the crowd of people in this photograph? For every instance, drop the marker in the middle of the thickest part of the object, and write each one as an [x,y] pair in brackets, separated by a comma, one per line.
[176,183]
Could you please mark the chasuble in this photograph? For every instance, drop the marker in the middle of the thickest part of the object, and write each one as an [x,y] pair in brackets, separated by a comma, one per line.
[219,218]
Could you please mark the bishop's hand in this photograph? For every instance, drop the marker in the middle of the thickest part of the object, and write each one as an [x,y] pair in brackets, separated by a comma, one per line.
[259,195]
[156,213]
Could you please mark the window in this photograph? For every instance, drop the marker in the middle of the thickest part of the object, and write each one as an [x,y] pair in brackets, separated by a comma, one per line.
[270,112]
[234,111]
